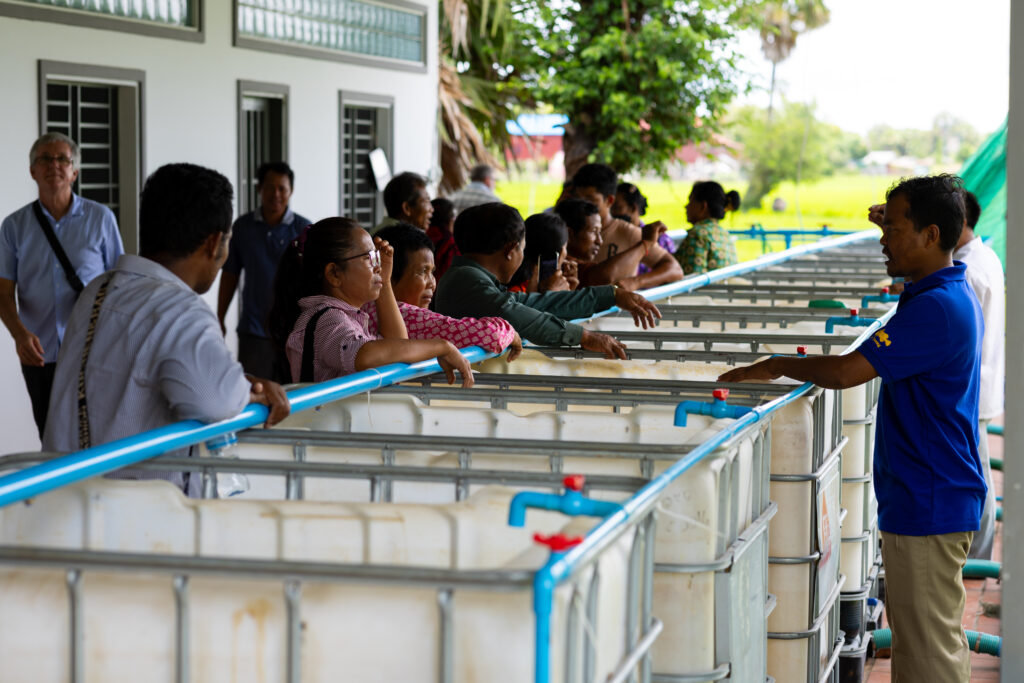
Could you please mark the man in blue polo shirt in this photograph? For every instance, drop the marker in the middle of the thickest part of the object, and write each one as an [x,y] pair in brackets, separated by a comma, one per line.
[257,241]
[928,475]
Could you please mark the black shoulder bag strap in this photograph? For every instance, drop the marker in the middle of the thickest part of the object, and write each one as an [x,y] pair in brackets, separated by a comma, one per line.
[84,432]
[308,346]
[51,237]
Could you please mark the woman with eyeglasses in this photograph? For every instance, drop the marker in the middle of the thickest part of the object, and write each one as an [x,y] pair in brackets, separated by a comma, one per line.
[335,311]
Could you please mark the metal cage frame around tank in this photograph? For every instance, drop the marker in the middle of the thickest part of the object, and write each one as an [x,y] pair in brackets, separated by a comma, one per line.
[294,574]
[64,470]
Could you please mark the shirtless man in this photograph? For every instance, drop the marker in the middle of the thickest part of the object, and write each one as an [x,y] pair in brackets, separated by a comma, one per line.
[597,183]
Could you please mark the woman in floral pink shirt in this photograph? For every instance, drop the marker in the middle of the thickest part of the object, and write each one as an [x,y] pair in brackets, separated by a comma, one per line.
[413,282]
[335,311]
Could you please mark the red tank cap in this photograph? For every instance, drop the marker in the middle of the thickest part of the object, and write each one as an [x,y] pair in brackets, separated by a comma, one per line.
[801,350]
[720,394]
[558,542]
[853,311]
[574,482]
[885,290]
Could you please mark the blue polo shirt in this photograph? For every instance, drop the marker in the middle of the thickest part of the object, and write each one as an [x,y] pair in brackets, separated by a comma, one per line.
[89,235]
[928,476]
[256,248]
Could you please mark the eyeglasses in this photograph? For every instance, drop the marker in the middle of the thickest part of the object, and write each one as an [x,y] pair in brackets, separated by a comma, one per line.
[46,160]
[373,254]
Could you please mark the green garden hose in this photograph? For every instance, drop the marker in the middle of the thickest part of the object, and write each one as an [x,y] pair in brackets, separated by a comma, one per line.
[985,643]
[981,569]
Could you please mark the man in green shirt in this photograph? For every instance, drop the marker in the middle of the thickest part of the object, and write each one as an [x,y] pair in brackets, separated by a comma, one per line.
[491,238]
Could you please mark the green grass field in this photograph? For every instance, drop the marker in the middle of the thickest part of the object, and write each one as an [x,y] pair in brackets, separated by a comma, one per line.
[840,201]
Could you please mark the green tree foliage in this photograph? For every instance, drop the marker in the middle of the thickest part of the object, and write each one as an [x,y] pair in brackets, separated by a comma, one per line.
[950,139]
[791,145]
[637,79]
[478,89]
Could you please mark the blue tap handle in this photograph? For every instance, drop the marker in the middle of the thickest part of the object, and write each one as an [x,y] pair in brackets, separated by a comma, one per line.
[717,409]
[852,320]
[570,502]
[885,297]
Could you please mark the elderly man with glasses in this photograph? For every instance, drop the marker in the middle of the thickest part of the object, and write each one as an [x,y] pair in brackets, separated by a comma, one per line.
[49,250]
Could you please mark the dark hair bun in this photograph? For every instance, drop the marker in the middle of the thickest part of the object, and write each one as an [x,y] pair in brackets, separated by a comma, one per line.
[732,200]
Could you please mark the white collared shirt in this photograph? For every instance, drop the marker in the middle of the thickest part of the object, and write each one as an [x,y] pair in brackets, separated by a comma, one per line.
[157,357]
[474,194]
[985,275]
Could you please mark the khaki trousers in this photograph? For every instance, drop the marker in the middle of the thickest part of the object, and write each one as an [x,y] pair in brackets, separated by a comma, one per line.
[925,599]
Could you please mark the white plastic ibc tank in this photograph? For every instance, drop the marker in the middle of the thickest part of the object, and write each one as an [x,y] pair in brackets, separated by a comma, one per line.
[858,412]
[857,558]
[805,591]
[808,519]
[701,512]
[237,627]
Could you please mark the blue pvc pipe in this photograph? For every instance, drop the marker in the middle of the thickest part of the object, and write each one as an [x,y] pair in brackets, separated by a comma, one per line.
[717,409]
[848,321]
[693,282]
[881,298]
[569,502]
[561,566]
[98,460]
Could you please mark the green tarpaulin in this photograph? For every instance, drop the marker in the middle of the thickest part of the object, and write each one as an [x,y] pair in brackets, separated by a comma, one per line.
[984,174]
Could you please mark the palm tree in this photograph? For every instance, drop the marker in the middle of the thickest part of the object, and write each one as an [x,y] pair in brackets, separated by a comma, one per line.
[781,23]
[472,105]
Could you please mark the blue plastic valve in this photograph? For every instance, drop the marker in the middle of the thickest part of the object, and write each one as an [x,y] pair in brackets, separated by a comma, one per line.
[717,409]
[852,320]
[570,502]
[885,297]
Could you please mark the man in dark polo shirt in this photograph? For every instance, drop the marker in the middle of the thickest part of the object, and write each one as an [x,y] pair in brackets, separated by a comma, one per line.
[257,241]
[928,475]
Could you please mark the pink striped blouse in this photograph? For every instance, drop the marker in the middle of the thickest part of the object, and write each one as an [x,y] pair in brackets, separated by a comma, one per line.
[342,331]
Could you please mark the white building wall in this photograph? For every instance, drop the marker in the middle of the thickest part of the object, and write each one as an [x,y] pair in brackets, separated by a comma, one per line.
[190,114]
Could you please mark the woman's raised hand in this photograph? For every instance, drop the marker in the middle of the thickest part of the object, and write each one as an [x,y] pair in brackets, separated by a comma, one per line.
[387,258]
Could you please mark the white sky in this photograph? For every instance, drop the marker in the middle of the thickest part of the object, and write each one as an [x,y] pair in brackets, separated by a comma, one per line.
[898,62]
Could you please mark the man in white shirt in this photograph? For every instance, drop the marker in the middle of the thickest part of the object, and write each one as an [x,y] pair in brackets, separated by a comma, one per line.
[985,276]
[142,350]
[479,191]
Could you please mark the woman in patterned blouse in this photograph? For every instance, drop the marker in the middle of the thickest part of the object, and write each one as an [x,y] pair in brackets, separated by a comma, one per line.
[708,245]
[335,311]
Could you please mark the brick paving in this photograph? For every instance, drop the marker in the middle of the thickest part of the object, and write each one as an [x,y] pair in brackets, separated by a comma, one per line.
[988,591]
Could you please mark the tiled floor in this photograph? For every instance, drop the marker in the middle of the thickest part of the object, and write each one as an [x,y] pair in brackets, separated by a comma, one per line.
[983,667]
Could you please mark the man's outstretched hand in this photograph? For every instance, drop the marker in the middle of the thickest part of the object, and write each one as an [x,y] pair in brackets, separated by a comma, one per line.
[603,343]
[762,372]
[643,311]
[270,394]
